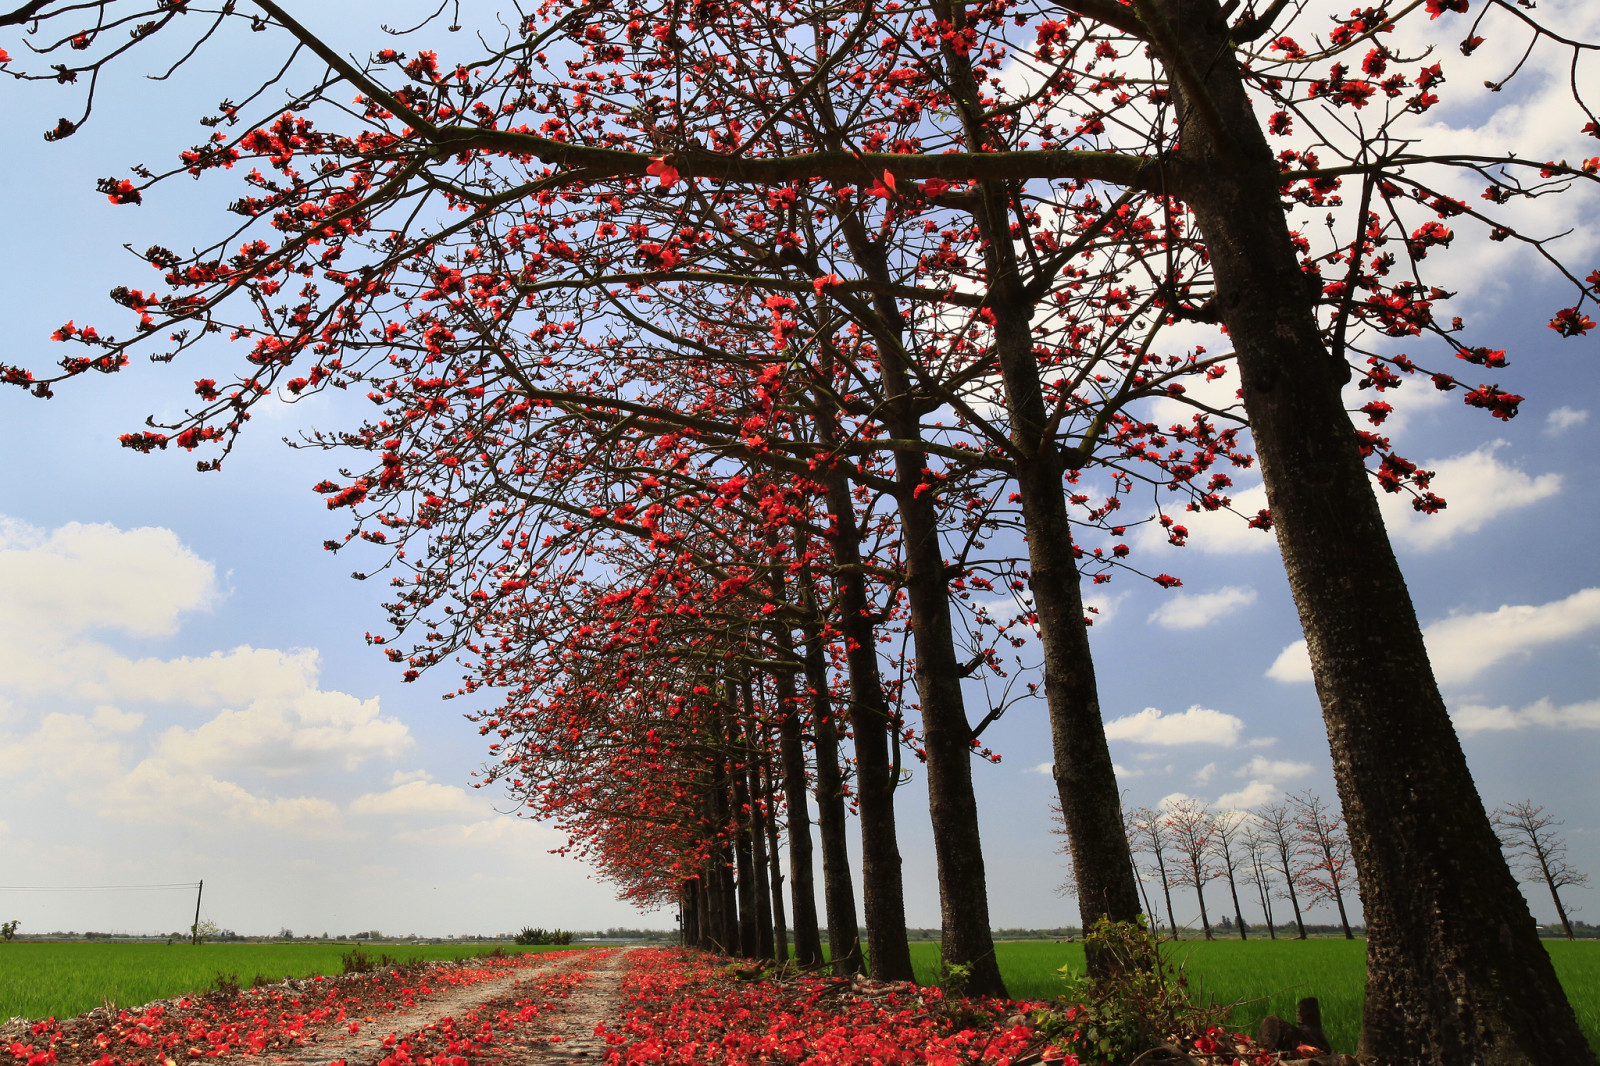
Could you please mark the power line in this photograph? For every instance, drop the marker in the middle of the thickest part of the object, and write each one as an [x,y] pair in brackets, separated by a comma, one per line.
[97,888]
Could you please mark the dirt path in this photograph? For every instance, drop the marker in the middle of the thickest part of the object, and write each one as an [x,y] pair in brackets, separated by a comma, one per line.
[576,993]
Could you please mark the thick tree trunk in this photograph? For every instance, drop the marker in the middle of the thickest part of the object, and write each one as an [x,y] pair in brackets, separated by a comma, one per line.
[1456,972]
[1086,784]
[802,875]
[888,953]
[946,732]
[838,889]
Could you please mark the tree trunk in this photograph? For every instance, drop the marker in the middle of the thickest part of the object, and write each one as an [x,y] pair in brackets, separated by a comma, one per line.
[1238,915]
[756,820]
[1166,890]
[888,953]
[1294,900]
[838,890]
[689,908]
[1086,784]
[802,876]
[946,732]
[780,934]
[1205,922]
[1456,972]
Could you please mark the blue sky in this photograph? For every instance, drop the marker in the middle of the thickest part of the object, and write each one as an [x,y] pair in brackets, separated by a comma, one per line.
[185,691]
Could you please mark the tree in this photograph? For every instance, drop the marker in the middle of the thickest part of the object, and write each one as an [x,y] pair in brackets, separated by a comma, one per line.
[8,930]
[1283,843]
[1325,871]
[1529,838]
[1259,852]
[1439,986]
[1192,828]
[1228,828]
[1148,835]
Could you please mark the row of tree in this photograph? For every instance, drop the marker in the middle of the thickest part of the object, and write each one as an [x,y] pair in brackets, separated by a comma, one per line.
[747,380]
[1296,849]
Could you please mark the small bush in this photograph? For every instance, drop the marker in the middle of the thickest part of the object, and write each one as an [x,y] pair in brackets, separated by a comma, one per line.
[1147,1004]
[535,936]
[226,983]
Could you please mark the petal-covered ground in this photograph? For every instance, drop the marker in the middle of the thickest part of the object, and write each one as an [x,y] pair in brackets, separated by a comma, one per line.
[658,1006]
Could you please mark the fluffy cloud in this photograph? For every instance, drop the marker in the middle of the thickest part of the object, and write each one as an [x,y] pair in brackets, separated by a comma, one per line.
[1197,725]
[81,577]
[1193,610]
[118,752]
[1463,646]
[1267,778]
[1562,419]
[1479,488]
[418,797]
[1474,719]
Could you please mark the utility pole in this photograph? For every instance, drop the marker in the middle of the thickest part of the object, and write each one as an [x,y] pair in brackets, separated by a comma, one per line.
[194,930]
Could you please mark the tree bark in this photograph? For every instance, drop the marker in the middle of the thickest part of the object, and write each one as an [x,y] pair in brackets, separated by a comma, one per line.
[838,890]
[780,933]
[946,732]
[1086,784]
[888,953]
[1456,972]
[802,875]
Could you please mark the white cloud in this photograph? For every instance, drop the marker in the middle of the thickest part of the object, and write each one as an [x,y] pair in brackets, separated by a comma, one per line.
[417,797]
[1476,719]
[81,577]
[1203,775]
[487,831]
[1478,488]
[113,720]
[1194,610]
[1123,771]
[1046,768]
[1564,418]
[1267,778]
[400,777]
[1197,725]
[1463,646]
[95,727]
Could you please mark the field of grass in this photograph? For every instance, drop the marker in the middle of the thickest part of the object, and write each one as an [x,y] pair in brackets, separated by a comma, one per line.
[61,979]
[1268,976]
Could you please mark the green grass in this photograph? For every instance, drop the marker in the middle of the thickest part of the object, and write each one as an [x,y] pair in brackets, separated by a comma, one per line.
[1267,977]
[61,979]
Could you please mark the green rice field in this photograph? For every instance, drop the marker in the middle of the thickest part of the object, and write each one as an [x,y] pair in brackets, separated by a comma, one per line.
[41,979]
[1267,976]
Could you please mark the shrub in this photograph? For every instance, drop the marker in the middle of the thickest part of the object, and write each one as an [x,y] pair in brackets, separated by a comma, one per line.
[531,935]
[1147,1004]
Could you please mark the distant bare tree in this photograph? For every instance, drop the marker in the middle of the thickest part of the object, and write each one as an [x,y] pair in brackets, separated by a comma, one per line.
[1277,824]
[1191,826]
[1227,832]
[1259,852]
[1326,871]
[1533,849]
[1148,836]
